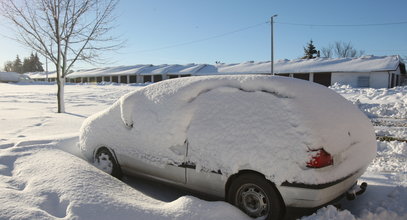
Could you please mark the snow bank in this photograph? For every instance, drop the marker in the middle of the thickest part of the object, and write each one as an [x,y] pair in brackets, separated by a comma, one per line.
[377,103]
[267,120]
[39,181]
[391,157]
[332,213]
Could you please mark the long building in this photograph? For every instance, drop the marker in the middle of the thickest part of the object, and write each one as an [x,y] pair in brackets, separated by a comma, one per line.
[366,71]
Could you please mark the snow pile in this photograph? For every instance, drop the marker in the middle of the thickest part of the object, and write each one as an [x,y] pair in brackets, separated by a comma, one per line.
[293,116]
[39,181]
[377,103]
[332,213]
[382,213]
[391,157]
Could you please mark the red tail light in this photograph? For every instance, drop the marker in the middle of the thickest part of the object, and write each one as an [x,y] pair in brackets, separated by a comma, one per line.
[320,158]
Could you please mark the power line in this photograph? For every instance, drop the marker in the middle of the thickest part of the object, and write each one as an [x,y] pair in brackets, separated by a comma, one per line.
[264,23]
[204,39]
[344,25]
[389,50]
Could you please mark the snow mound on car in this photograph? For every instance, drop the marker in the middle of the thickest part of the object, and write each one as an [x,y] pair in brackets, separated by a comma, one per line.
[231,123]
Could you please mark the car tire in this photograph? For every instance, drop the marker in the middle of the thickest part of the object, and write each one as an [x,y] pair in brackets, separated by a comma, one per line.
[256,196]
[105,160]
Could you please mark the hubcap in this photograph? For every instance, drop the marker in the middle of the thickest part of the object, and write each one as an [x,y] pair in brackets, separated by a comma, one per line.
[104,163]
[252,200]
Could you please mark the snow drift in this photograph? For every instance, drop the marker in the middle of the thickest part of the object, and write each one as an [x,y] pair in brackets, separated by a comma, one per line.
[40,181]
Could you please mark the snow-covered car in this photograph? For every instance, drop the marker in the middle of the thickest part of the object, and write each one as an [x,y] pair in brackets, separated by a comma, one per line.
[13,77]
[262,143]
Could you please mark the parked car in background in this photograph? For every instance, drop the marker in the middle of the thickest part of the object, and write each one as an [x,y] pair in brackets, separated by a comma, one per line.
[13,77]
[262,143]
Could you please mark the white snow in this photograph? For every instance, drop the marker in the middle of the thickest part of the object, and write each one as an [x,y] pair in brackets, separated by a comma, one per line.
[377,103]
[41,176]
[40,181]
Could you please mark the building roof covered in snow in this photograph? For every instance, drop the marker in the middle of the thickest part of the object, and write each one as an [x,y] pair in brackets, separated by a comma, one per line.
[360,64]
[317,65]
[41,75]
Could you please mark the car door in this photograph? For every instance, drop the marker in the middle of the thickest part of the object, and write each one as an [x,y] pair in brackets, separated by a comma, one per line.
[173,172]
[206,181]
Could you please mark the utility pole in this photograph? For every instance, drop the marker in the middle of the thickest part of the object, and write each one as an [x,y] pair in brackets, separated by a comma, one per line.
[272,43]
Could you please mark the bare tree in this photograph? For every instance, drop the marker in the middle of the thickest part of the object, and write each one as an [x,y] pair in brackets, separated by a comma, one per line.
[327,51]
[341,49]
[64,31]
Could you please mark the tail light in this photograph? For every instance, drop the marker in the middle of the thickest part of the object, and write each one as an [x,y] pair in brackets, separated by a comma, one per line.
[320,158]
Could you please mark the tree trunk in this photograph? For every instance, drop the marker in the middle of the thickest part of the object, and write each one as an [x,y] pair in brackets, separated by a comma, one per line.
[60,94]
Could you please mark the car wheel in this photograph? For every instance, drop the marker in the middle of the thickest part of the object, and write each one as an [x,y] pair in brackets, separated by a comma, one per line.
[104,160]
[256,196]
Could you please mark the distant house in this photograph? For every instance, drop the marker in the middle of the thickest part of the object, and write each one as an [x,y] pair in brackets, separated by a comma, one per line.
[366,71]
[42,76]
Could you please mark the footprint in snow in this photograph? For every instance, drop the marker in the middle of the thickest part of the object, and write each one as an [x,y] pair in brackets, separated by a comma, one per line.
[16,185]
[7,165]
[53,205]
[4,146]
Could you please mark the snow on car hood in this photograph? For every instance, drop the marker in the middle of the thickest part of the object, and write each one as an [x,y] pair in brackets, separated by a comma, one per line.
[231,123]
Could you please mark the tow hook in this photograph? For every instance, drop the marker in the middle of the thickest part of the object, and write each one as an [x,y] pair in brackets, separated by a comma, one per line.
[353,193]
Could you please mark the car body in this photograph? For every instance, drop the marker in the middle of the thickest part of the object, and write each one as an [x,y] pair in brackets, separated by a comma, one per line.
[13,77]
[253,140]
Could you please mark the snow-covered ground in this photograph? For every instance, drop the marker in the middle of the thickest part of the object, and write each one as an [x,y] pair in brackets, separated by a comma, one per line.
[43,177]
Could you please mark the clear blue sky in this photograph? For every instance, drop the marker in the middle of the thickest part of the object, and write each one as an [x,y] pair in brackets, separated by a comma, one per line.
[205,31]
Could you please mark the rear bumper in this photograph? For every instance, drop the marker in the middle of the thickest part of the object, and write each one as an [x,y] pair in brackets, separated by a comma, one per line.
[311,196]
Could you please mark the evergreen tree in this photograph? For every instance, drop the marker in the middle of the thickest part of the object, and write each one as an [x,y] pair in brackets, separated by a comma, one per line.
[30,64]
[27,65]
[17,65]
[310,51]
[37,65]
